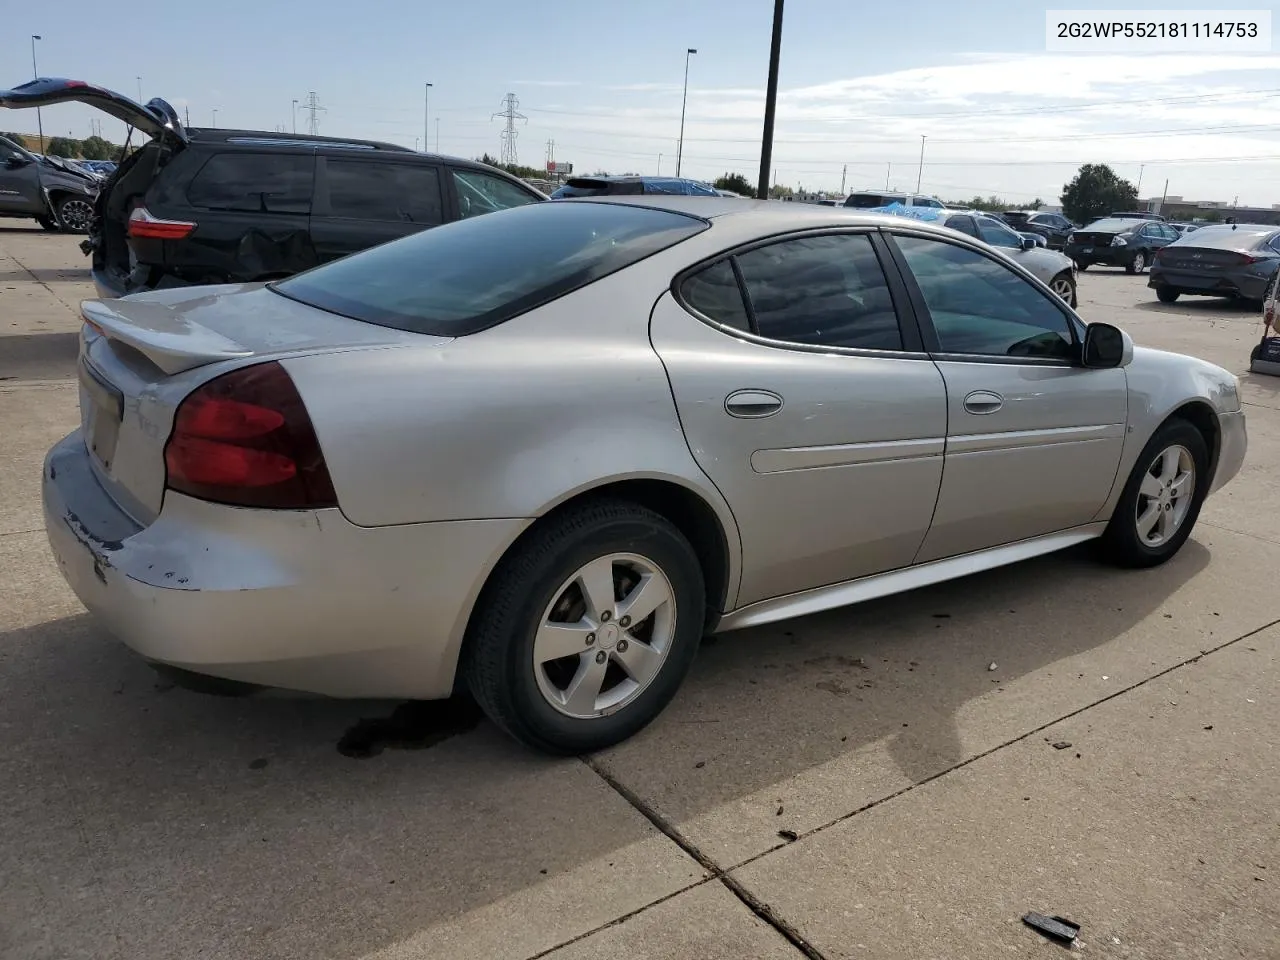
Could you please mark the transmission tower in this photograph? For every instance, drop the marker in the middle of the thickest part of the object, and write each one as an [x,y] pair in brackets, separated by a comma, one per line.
[312,106]
[508,113]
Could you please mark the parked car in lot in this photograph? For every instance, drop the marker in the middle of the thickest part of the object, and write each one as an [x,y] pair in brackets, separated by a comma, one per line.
[632,186]
[1137,215]
[1054,227]
[871,199]
[1185,228]
[1035,238]
[1126,242]
[1236,261]
[547,449]
[213,206]
[1054,269]
[55,195]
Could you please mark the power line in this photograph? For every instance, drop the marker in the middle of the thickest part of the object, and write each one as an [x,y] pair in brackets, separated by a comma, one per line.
[312,106]
[509,133]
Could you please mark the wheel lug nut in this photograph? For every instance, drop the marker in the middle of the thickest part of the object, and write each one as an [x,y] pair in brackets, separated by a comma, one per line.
[606,616]
[624,622]
[600,656]
[591,638]
[622,646]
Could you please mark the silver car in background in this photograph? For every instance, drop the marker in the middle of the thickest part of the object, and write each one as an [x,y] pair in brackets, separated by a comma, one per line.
[546,450]
[1051,267]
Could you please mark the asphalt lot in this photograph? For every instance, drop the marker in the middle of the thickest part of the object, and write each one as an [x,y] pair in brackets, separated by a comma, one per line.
[931,807]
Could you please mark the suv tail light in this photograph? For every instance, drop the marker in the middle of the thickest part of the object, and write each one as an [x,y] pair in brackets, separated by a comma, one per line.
[245,439]
[143,224]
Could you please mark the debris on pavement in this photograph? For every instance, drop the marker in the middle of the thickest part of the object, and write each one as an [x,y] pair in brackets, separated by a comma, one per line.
[1062,745]
[1056,928]
[993,666]
[789,835]
[779,813]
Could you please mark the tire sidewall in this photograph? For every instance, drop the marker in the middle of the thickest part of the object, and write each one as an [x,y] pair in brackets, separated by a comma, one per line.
[1124,525]
[662,546]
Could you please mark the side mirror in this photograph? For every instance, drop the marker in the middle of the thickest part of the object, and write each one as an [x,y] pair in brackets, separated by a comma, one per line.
[1028,243]
[16,163]
[1105,347]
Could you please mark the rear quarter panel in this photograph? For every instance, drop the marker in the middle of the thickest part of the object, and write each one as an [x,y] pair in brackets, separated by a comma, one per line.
[509,422]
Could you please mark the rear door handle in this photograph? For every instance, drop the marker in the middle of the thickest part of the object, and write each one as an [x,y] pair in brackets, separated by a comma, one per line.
[752,404]
[982,402]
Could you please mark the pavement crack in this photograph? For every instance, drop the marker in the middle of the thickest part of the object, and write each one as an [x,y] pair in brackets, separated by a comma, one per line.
[761,909]
[1009,743]
[1239,533]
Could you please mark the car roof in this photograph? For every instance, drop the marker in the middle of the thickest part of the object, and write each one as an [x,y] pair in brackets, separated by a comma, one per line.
[780,216]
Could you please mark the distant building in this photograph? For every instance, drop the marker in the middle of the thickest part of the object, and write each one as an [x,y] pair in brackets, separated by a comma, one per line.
[1213,211]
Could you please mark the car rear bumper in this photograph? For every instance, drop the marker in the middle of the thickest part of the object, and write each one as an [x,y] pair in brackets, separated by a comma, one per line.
[300,600]
[108,285]
[1106,256]
[1231,450]
[1239,284]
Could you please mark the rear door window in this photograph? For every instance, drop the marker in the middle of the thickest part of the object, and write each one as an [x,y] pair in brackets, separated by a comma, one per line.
[254,183]
[963,224]
[397,192]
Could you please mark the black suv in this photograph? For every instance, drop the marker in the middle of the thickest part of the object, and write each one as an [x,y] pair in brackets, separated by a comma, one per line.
[228,206]
[1054,227]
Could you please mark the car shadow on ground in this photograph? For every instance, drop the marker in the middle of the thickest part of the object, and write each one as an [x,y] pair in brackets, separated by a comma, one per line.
[1232,307]
[23,275]
[155,815]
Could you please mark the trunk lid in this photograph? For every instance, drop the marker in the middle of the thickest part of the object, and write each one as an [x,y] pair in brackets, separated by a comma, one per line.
[157,119]
[140,357]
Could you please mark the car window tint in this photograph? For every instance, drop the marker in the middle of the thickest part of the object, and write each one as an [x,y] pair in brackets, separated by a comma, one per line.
[826,290]
[963,224]
[997,235]
[475,273]
[979,306]
[714,293]
[400,192]
[482,193]
[254,183]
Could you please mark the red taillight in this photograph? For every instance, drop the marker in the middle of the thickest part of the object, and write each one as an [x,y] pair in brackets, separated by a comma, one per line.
[143,224]
[246,439]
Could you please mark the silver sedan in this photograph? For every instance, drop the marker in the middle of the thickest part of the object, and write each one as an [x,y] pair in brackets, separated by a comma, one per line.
[544,451]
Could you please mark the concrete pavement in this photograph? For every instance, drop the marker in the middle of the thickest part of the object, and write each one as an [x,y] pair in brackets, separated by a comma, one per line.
[145,821]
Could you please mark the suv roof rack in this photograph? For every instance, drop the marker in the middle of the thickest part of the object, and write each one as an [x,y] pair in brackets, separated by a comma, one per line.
[262,138]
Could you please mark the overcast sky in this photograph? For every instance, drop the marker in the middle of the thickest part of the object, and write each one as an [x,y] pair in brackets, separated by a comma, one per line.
[603,79]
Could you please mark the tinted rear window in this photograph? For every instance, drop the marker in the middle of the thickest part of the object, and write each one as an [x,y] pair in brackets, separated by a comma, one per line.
[866,201]
[396,192]
[598,188]
[254,183]
[466,276]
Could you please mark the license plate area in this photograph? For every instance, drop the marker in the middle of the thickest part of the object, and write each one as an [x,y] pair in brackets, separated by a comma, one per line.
[1087,250]
[103,414]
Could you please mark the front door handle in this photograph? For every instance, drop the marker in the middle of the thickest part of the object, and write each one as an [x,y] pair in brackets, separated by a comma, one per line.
[982,402]
[752,404]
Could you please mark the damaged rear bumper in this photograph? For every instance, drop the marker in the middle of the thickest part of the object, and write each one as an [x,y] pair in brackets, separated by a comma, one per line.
[299,600]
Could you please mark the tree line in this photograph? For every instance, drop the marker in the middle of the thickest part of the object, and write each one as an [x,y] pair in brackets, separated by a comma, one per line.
[91,148]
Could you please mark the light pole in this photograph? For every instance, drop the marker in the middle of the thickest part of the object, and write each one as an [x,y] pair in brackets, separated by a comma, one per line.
[683,101]
[215,118]
[35,75]
[659,164]
[139,79]
[770,103]
[437,134]
[426,114]
[920,172]
[295,116]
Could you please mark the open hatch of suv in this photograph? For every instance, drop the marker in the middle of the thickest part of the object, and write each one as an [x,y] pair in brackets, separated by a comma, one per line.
[199,206]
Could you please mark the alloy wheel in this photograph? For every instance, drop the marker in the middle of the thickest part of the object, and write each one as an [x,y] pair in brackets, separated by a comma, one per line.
[76,215]
[1062,287]
[1165,495]
[605,636]
[1139,262]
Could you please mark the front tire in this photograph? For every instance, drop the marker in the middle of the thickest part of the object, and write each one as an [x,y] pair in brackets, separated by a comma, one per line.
[1167,294]
[1161,499]
[1065,287]
[587,628]
[75,214]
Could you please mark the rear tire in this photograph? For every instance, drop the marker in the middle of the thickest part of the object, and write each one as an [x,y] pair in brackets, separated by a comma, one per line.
[1167,294]
[540,601]
[50,225]
[1151,520]
[1138,264]
[1082,267]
